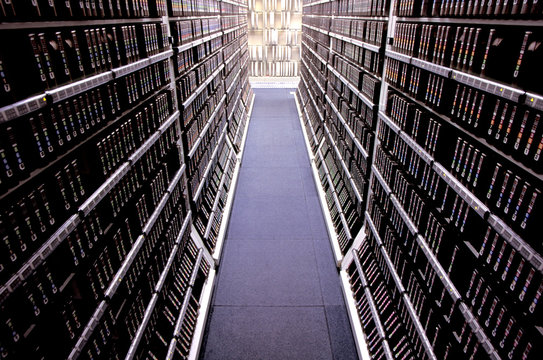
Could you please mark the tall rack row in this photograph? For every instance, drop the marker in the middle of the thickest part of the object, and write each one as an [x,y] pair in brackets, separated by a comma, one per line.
[122,126]
[445,261]
[274,37]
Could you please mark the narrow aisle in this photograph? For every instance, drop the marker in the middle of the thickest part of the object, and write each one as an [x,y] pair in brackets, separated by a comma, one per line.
[278,293]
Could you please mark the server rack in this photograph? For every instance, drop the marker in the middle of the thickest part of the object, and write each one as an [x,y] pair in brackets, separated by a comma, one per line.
[447,263]
[122,127]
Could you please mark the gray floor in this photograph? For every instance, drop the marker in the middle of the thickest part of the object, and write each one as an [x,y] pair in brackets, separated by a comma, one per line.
[278,294]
